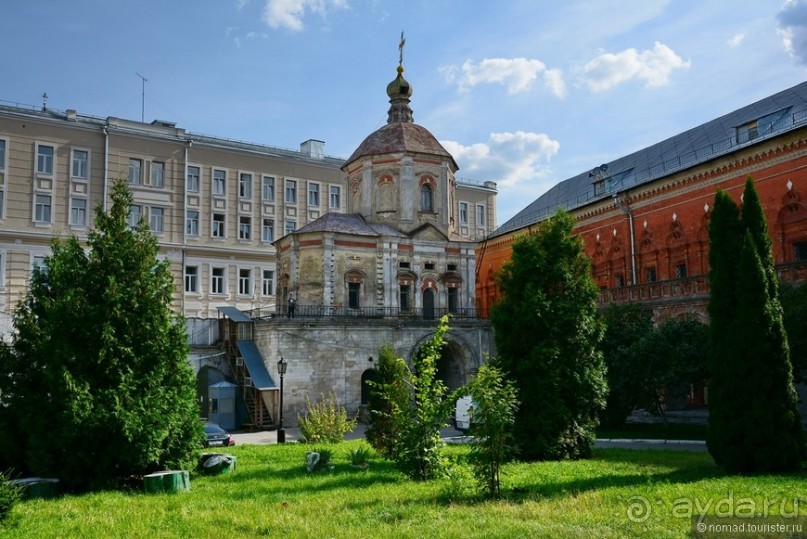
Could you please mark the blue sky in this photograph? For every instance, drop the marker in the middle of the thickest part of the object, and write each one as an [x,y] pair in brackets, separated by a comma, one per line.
[525,93]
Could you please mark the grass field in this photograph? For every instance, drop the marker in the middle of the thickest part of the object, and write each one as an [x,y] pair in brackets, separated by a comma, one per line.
[619,493]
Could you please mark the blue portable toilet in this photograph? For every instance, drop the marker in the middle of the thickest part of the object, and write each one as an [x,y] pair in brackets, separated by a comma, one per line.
[222,397]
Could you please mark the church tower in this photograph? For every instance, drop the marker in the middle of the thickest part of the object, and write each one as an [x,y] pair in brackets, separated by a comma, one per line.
[400,175]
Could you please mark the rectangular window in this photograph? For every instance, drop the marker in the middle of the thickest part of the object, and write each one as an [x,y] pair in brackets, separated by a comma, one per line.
[192,223]
[1,203]
[335,197]
[218,229]
[44,159]
[244,227]
[157,174]
[599,187]
[680,271]
[406,291]
[245,282]
[463,213]
[192,279]
[135,214]
[39,263]
[268,283]
[268,189]
[78,211]
[353,291]
[135,171]
[291,226]
[429,265]
[157,220]
[451,267]
[80,168]
[405,265]
[453,300]
[2,154]
[217,281]
[619,280]
[480,216]
[42,210]
[219,182]
[245,185]
[192,181]
[650,275]
[268,230]
[291,192]
[313,194]
[800,251]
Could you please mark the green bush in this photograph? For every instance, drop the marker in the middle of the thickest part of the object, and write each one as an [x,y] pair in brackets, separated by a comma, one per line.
[325,422]
[360,457]
[9,496]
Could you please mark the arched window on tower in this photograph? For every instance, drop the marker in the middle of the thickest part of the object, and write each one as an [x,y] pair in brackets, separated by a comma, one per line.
[426,199]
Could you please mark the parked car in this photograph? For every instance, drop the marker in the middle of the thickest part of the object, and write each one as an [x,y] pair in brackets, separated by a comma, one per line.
[216,436]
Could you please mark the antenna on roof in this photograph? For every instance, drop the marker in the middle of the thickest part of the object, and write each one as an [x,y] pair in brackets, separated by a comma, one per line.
[44,101]
[143,98]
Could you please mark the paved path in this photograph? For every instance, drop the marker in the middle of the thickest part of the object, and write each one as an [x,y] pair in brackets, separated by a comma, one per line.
[455,436]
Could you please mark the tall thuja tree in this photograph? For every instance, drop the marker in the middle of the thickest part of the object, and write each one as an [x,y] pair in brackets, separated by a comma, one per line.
[99,362]
[547,332]
[388,398]
[754,423]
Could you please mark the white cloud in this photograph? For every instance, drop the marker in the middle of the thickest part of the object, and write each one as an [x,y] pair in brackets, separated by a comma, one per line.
[289,13]
[652,66]
[792,28]
[736,40]
[506,158]
[240,4]
[518,74]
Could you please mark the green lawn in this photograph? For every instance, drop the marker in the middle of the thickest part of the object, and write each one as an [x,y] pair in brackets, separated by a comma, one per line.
[271,495]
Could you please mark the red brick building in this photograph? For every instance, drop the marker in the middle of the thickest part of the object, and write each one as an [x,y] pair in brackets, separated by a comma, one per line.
[644,217]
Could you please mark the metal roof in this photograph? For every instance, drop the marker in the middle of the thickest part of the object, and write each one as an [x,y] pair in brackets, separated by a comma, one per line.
[255,365]
[771,116]
[401,137]
[234,314]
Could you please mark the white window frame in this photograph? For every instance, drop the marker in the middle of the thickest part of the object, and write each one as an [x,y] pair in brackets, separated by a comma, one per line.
[268,188]
[157,174]
[2,269]
[83,166]
[245,185]
[218,183]
[290,190]
[270,281]
[192,223]
[135,171]
[2,202]
[192,180]
[135,210]
[313,194]
[245,283]
[267,227]
[213,226]
[481,223]
[245,227]
[221,288]
[191,279]
[76,211]
[43,212]
[335,196]
[45,164]
[463,211]
[38,261]
[157,219]
[289,229]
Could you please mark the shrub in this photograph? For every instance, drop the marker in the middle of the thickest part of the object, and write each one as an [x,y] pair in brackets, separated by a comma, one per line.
[360,457]
[325,422]
[460,484]
[389,396]
[9,496]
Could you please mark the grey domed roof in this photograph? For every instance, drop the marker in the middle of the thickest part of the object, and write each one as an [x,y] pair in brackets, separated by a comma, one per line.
[400,137]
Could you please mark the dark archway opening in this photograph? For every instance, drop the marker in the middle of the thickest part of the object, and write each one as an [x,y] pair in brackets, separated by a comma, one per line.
[428,304]
[451,367]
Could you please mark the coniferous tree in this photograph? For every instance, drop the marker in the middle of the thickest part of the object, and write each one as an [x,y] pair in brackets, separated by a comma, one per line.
[547,332]
[754,423]
[388,398]
[98,385]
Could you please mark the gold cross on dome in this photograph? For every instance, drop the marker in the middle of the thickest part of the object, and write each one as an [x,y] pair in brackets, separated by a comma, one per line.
[400,49]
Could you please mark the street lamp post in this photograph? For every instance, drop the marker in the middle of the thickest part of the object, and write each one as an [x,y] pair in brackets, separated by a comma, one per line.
[281,370]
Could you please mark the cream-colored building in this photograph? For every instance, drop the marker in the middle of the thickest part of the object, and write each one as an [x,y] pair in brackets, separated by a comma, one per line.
[216,205]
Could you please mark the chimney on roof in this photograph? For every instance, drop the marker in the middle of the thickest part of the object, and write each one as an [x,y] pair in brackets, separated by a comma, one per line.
[313,148]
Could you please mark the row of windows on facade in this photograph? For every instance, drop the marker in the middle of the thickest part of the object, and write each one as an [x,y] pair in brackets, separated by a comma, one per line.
[404,297]
[218,281]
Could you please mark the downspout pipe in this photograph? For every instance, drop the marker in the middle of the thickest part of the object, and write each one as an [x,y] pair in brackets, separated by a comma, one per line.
[629,213]
[105,129]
